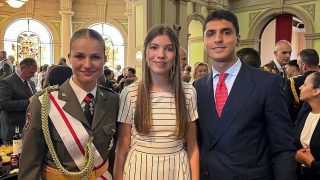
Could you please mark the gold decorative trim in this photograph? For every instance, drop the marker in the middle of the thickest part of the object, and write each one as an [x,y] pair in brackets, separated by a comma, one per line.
[312,36]
[76,26]
[310,8]
[252,16]
[56,25]
[2,18]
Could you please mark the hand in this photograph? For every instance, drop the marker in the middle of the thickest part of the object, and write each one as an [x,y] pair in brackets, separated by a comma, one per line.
[304,156]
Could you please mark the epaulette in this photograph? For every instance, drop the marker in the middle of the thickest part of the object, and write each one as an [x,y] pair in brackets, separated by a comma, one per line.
[266,68]
[48,89]
[108,89]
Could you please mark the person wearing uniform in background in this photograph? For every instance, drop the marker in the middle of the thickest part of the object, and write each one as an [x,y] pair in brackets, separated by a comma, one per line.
[308,130]
[69,128]
[292,69]
[307,60]
[157,129]
[282,53]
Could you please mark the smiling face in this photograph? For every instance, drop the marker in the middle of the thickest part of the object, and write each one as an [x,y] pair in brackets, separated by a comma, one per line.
[87,60]
[160,56]
[201,71]
[221,40]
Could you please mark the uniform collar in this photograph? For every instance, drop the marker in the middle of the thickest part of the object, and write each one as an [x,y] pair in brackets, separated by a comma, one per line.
[80,93]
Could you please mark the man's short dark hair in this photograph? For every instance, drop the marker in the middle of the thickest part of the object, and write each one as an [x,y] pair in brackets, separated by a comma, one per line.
[250,57]
[132,70]
[293,63]
[107,72]
[222,14]
[309,57]
[28,62]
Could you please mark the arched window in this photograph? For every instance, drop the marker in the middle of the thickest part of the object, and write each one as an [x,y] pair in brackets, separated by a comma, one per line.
[29,38]
[114,44]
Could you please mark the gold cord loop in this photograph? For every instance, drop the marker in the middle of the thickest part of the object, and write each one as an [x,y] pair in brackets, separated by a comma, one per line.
[86,170]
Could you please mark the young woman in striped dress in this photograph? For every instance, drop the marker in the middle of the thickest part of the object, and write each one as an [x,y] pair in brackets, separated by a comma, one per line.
[157,129]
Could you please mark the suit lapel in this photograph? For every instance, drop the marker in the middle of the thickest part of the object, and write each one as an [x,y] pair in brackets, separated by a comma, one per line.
[210,95]
[240,92]
[72,105]
[20,81]
[315,136]
[101,107]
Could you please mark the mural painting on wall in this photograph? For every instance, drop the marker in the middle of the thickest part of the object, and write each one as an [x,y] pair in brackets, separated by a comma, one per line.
[28,45]
[111,53]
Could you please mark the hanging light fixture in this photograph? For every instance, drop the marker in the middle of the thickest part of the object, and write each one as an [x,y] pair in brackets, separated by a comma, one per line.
[16,3]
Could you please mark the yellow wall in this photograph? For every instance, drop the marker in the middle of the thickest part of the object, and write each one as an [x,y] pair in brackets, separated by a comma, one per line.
[139,25]
[196,53]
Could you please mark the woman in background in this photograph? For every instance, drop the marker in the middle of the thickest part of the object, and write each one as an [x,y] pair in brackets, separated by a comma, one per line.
[308,130]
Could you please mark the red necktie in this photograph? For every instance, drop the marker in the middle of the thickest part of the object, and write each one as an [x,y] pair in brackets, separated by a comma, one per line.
[89,107]
[221,93]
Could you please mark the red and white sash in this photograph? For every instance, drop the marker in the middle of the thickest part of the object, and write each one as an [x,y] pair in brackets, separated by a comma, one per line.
[67,126]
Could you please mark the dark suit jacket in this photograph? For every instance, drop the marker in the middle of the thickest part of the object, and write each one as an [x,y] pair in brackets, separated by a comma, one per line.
[314,171]
[14,101]
[5,69]
[294,108]
[253,138]
[35,153]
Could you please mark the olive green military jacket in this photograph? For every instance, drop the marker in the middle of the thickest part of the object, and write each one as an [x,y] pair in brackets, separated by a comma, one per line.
[35,155]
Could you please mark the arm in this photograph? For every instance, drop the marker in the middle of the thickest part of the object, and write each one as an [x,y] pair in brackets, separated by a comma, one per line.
[122,149]
[7,101]
[193,150]
[34,146]
[280,132]
[304,156]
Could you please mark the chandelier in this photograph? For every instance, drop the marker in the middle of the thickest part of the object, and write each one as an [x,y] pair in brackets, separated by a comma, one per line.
[16,3]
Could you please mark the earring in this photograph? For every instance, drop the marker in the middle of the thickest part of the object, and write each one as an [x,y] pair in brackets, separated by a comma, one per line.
[172,72]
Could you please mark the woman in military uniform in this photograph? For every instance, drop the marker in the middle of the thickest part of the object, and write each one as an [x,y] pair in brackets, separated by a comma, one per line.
[69,129]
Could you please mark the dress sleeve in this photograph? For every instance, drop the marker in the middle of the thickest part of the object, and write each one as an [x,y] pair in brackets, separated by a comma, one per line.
[192,105]
[125,114]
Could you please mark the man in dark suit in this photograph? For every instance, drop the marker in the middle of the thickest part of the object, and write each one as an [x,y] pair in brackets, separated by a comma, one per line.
[15,92]
[282,53]
[248,136]
[308,60]
[5,65]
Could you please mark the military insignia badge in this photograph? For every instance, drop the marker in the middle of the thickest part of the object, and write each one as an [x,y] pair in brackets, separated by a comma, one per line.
[28,120]
[111,144]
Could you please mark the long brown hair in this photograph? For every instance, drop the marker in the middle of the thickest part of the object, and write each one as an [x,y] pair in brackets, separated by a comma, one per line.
[142,120]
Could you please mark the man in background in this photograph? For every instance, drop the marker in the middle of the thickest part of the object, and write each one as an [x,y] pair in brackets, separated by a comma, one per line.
[183,58]
[282,53]
[307,60]
[15,95]
[5,67]
[292,68]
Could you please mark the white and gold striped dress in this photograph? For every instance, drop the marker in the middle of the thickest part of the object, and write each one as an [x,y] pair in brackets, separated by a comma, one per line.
[157,155]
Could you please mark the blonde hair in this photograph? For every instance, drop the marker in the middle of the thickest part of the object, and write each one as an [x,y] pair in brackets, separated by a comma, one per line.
[196,67]
[142,120]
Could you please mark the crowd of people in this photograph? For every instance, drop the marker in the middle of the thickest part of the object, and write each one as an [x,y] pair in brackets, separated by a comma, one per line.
[236,120]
